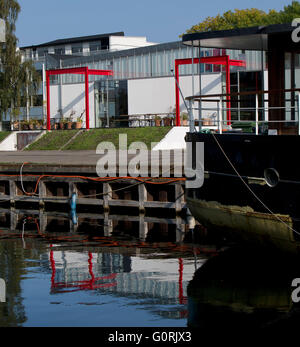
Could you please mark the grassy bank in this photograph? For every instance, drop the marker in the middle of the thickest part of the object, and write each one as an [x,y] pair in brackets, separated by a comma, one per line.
[4,134]
[53,140]
[89,140]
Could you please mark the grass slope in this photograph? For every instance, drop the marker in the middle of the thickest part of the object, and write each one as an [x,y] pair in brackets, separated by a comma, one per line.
[89,140]
[4,134]
[53,140]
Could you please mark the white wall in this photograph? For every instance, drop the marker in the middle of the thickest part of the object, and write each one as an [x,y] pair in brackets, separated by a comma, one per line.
[73,99]
[68,49]
[157,95]
[117,43]
[9,143]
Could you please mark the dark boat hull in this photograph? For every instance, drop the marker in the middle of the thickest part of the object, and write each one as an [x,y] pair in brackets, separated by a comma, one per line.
[241,203]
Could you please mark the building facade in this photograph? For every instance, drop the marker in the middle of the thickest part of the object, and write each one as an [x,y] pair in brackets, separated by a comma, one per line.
[143,79]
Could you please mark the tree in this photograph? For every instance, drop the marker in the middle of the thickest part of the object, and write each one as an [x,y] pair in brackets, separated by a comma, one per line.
[247,18]
[290,12]
[17,79]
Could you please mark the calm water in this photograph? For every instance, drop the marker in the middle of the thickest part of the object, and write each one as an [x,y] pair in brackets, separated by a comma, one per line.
[58,277]
[61,278]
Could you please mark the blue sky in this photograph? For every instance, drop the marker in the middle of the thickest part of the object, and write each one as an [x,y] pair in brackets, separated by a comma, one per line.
[159,20]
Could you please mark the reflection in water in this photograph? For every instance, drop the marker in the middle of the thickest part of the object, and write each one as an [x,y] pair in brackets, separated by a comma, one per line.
[243,290]
[56,277]
[121,275]
[12,311]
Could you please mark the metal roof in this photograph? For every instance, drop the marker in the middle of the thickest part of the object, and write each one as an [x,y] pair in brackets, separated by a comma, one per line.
[252,38]
[102,55]
[75,40]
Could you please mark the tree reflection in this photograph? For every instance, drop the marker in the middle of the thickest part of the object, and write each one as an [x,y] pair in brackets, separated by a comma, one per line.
[12,312]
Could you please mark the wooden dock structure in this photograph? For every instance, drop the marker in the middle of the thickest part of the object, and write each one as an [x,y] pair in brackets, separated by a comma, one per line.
[44,181]
[117,192]
[14,219]
[40,187]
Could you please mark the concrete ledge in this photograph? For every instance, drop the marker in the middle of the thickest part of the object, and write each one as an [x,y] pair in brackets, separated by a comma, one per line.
[9,143]
[173,140]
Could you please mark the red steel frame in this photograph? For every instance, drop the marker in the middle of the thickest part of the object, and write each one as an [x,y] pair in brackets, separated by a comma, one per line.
[217,60]
[77,70]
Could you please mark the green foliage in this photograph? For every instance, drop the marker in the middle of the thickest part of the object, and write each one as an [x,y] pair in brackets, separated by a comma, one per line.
[290,12]
[247,18]
[18,80]
[184,116]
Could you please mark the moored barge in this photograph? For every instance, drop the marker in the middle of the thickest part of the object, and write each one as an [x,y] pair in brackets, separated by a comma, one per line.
[251,184]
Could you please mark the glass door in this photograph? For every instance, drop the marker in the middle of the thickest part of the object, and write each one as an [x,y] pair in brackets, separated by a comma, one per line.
[292,81]
[104,102]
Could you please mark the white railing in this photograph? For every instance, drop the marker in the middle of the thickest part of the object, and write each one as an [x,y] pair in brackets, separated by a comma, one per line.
[220,124]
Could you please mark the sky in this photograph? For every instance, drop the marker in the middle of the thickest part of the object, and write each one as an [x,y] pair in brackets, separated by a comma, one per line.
[160,21]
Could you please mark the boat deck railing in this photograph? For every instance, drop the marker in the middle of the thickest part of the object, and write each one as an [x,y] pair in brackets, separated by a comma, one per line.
[222,115]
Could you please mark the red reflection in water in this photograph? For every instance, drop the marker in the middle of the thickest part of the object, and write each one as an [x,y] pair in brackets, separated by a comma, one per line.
[89,284]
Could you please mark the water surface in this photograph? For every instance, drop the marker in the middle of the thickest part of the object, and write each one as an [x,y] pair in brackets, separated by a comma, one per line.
[57,278]
[61,276]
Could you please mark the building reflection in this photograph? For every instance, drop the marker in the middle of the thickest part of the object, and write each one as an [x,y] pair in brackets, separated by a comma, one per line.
[134,268]
[12,312]
[122,275]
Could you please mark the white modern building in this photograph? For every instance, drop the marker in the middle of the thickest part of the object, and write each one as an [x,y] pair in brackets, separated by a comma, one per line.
[142,83]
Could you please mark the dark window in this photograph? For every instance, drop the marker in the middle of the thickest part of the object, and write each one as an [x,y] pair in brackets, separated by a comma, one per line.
[42,52]
[59,51]
[37,100]
[76,49]
[95,46]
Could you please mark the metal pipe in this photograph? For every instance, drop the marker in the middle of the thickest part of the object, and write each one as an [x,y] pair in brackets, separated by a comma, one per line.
[256,114]
[221,117]
[200,88]
[191,116]
[107,104]
[48,100]
[218,116]
[193,79]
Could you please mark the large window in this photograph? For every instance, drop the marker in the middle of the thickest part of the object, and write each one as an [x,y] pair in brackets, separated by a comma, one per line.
[42,52]
[131,67]
[95,46]
[110,103]
[77,48]
[59,50]
[292,81]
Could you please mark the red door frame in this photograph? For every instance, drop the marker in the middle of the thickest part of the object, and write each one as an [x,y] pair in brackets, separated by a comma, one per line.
[217,60]
[77,70]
